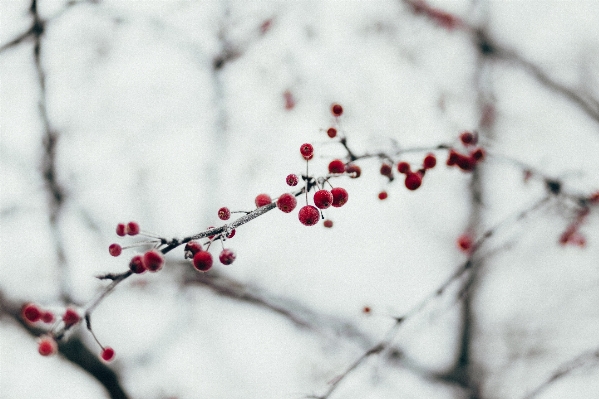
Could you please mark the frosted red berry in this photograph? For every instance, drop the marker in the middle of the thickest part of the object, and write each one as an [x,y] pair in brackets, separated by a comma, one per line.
[132,228]
[336,166]
[47,317]
[193,247]
[413,181]
[403,167]
[202,261]
[340,197]
[262,199]
[465,243]
[332,132]
[429,161]
[224,213]
[153,260]
[136,265]
[307,151]
[115,249]
[336,110]
[47,346]
[287,202]
[383,195]
[70,317]
[107,354]
[309,215]
[386,170]
[121,229]
[31,313]
[328,223]
[353,170]
[323,199]
[227,257]
[231,234]
[292,180]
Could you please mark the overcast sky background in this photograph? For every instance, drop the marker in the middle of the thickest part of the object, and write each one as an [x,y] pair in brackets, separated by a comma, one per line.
[150,131]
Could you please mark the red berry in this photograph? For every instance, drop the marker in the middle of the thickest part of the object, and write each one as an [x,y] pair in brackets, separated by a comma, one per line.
[323,199]
[307,151]
[287,202]
[31,313]
[153,260]
[132,228]
[336,109]
[47,346]
[465,163]
[107,354]
[48,317]
[594,198]
[262,199]
[353,170]
[386,170]
[366,310]
[309,215]
[227,257]
[292,180]
[115,249]
[340,197]
[193,247]
[224,213]
[328,223]
[332,132]
[478,154]
[70,317]
[121,229]
[231,234]
[211,227]
[202,261]
[468,138]
[336,166]
[429,161]
[413,181]
[465,243]
[383,195]
[137,265]
[403,167]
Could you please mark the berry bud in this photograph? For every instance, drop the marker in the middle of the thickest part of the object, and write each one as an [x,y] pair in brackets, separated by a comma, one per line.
[224,213]
[309,215]
[227,257]
[323,199]
[286,202]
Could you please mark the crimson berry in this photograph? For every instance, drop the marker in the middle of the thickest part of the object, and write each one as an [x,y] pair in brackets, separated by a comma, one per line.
[353,170]
[211,227]
[465,163]
[468,138]
[115,249]
[121,229]
[307,151]
[107,354]
[202,261]
[386,170]
[231,234]
[224,213]
[31,313]
[292,180]
[262,199]
[478,154]
[383,195]
[328,223]
[287,202]
[153,260]
[336,166]
[366,310]
[132,228]
[429,161]
[192,248]
[465,243]
[403,167]
[70,317]
[137,265]
[227,257]
[323,199]
[413,181]
[48,317]
[336,109]
[309,215]
[332,132]
[47,346]
[340,197]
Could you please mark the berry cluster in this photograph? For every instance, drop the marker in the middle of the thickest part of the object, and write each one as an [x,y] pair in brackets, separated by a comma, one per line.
[466,162]
[33,313]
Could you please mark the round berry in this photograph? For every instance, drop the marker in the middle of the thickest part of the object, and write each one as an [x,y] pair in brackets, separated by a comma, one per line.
[386,170]
[115,249]
[413,181]
[340,197]
[153,260]
[465,243]
[48,317]
[121,229]
[478,154]
[309,215]
[353,170]
[202,261]
[429,161]
[231,234]
[465,163]
[323,199]
[132,228]
[262,199]
[403,167]
[70,317]
[224,213]
[336,109]
[107,354]
[332,132]
[328,223]
[292,180]
[452,157]
[137,265]
[227,257]
[31,313]
[383,195]
[336,166]
[47,346]
[468,138]
[193,247]
[287,202]
[307,151]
